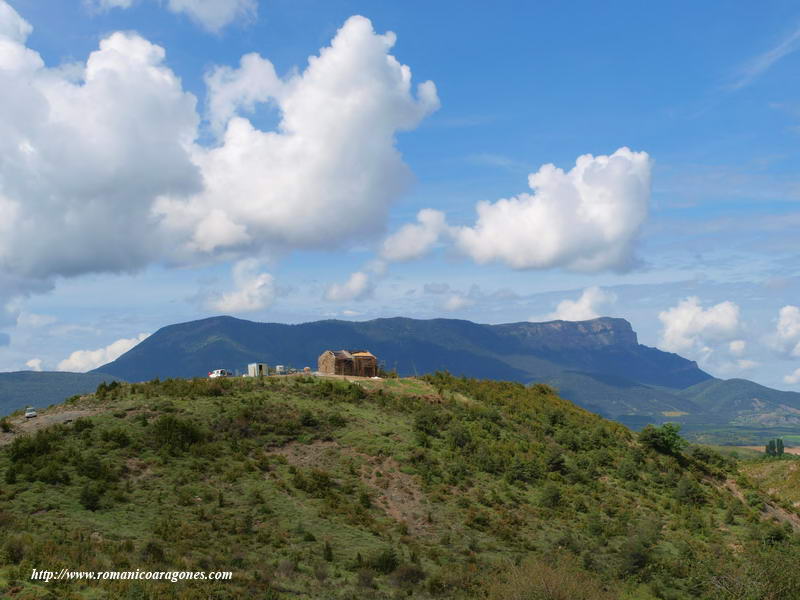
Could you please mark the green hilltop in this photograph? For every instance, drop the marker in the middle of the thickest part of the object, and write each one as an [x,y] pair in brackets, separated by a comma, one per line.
[431,487]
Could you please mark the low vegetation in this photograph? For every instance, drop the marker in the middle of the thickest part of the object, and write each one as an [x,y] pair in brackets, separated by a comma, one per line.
[437,487]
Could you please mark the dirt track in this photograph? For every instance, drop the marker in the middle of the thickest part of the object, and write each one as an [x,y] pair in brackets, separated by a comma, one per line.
[22,425]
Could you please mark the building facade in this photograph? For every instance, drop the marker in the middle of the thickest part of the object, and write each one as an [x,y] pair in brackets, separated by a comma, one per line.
[356,363]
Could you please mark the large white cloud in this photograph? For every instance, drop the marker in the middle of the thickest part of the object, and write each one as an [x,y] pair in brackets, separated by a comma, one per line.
[330,171]
[712,335]
[255,290]
[85,152]
[585,219]
[81,361]
[102,171]
[589,306]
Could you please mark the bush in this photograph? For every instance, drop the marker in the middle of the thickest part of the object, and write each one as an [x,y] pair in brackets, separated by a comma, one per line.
[405,575]
[13,551]
[92,467]
[550,496]
[385,561]
[174,434]
[82,424]
[90,497]
[689,491]
[116,436]
[153,552]
[536,580]
[664,439]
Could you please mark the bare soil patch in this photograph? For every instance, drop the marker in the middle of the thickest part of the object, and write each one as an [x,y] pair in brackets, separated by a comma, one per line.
[398,494]
[52,416]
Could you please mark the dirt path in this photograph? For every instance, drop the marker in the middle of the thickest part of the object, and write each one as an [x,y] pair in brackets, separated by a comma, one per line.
[61,414]
[771,511]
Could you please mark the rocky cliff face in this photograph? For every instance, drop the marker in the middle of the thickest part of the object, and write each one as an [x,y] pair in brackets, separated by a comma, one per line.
[593,334]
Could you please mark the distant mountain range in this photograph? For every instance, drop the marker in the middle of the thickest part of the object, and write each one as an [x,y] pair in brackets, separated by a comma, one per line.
[29,388]
[597,364]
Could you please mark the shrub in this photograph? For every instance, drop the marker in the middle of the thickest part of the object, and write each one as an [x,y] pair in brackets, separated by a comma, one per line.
[689,491]
[385,561]
[90,497]
[116,436]
[550,496]
[92,467]
[407,575]
[5,425]
[523,470]
[628,470]
[82,424]
[175,434]
[664,439]
[14,551]
[153,552]
[536,580]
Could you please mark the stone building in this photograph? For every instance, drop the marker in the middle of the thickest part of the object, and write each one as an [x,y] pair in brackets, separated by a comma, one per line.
[357,363]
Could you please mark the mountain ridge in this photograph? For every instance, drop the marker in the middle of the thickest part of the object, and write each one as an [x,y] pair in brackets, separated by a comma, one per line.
[598,364]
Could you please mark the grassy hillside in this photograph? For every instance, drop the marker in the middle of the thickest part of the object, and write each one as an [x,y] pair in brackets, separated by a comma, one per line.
[427,488]
[780,477]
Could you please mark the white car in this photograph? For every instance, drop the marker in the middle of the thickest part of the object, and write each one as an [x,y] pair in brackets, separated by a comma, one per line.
[219,373]
[30,412]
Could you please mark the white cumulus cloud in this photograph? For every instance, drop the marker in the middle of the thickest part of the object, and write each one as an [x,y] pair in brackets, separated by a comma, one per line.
[215,14]
[357,286]
[457,302]
[231,91]
[786,338]
[585,219]
[254,290]
[712,335]
[102,169]
[77,180]
[34,364]
[792,378]
[414,240]
[330,171]
[212,15]
[589,306]
[81,361]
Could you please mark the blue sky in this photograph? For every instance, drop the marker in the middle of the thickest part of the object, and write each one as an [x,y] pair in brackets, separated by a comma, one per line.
[694,242]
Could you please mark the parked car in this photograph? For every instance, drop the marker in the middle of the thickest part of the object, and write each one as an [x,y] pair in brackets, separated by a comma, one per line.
[220,373]
[30,412]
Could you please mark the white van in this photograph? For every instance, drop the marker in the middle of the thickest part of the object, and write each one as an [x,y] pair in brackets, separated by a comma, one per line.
[219,373]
